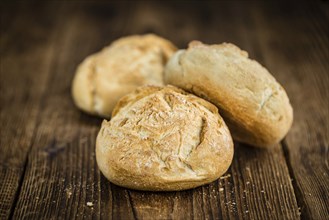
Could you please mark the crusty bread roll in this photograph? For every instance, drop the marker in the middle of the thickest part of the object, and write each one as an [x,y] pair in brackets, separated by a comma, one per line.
[253,104]
[103,78]
[163,139]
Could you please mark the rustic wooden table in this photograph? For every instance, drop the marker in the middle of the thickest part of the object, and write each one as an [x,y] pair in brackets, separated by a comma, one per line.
[47,160]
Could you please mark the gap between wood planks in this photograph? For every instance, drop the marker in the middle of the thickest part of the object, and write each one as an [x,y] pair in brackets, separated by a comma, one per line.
[297,191]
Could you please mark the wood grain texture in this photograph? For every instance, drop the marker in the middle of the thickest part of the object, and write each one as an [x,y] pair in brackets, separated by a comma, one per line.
[302,53]
[47,161]
[61,165]
[21,90]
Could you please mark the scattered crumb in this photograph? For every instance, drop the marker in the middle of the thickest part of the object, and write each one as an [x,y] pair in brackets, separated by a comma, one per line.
[221,189]
[90,204]
[247,211]
[262,191]
[247,182]
[225,177]
[68,192]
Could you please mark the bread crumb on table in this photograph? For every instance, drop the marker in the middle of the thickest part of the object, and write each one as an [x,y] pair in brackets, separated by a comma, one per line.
[224,177]
[90,204]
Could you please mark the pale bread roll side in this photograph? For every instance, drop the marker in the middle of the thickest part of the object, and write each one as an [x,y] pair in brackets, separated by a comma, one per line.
[103,78]
[253,104]
[163,139]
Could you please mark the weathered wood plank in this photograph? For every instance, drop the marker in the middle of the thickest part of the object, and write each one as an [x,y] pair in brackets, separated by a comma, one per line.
[26,51]
[297,52]
[61,176]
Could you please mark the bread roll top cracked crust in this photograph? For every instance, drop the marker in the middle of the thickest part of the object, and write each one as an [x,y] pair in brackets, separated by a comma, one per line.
[104,77]
[253,104]
[163,139]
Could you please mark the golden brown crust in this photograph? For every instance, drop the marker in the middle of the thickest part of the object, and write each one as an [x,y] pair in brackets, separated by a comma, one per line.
[254,105]
[103,78]
[163,139]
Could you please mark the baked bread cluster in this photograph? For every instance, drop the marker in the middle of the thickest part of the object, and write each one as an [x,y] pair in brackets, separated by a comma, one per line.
[177,136]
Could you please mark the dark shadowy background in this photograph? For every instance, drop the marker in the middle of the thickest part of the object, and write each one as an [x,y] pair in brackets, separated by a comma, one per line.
[47,163]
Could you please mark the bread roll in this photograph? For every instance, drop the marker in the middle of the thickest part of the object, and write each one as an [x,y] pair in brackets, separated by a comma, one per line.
[103,78]
[163,139]
[253,104]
